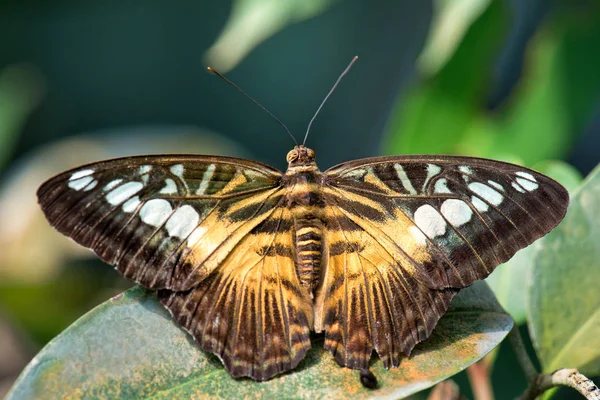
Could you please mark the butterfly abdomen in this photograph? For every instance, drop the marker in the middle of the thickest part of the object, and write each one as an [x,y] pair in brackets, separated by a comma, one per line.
[308,250]
[305,200]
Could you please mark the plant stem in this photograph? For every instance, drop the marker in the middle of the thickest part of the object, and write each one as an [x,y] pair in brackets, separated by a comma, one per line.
[519,347]
[563,377]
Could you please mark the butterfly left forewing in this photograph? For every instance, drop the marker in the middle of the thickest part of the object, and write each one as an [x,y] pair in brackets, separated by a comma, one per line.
[405,233]
[163,221]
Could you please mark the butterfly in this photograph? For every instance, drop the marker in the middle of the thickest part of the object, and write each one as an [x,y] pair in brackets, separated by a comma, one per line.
[250,260]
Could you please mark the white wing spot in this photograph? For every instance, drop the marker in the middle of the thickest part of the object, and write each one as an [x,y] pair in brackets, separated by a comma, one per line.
[196,235]
[131,205]
[90,186]
[112,184]
[526,175]
[404,179]
[419,237]
[177,170]
[432,170]
[517,187]
[467,171]
[81,183]
[144,171]
[527,184]
[496,185]
[170,187]
[155,212]
[356,173]
[457,212]
[206,177]
[441,186]
[123,192]
[487,193]
[479,204]
[81,174]
[183,221]
[430,222]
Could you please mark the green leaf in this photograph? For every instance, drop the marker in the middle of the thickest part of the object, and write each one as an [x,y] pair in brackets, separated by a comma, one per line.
[451,20]
[510,280]
[433,117]
[21,89]
[564,300]
[128,347]
[253,21]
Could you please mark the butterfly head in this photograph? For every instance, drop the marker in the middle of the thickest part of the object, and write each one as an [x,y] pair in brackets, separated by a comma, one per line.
[301,156]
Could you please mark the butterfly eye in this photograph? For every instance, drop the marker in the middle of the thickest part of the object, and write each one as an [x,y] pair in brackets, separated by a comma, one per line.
[310,153]
[292,155]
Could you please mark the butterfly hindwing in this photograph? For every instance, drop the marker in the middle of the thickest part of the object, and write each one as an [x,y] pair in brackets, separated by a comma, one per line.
[405,233]
[158,219]
[252,311]
[369,300]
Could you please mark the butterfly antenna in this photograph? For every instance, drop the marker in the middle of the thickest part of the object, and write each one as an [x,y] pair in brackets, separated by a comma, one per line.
[254,101]
[326,97]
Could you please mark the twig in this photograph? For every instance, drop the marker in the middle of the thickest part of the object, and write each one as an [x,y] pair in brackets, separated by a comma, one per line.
[479,377]
[519,347]
[563,377]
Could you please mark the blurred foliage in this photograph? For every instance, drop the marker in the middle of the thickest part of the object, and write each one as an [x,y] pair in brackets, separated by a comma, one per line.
[450,22]
[564,300]
[139,352]
[21,89]
[46,281]
[253,21]
[511,279]
[549,107]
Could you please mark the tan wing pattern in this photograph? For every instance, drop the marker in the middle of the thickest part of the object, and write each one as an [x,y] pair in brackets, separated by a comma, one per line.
[415,230]
[370,299]
[163,221]
[252,311]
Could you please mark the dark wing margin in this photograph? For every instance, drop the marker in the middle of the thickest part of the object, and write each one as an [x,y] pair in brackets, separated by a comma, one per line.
[164,221]
[406,233]
[471,214]
[252,311]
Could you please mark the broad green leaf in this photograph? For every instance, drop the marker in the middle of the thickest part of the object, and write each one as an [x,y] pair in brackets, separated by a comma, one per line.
[253,21]
[128,347]
[510,280]
[564,300]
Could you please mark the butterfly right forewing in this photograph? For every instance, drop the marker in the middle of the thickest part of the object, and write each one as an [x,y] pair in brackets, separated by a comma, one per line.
[163,221]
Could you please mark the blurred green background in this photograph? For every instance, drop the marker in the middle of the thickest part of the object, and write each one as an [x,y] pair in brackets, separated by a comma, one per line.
[82,81]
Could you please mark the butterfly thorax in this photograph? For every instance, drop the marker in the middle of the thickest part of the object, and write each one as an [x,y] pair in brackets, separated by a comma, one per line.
[304,199]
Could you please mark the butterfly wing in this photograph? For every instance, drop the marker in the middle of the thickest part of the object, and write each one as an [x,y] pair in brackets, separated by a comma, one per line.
[407,232]
[165,222]
[252,311]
